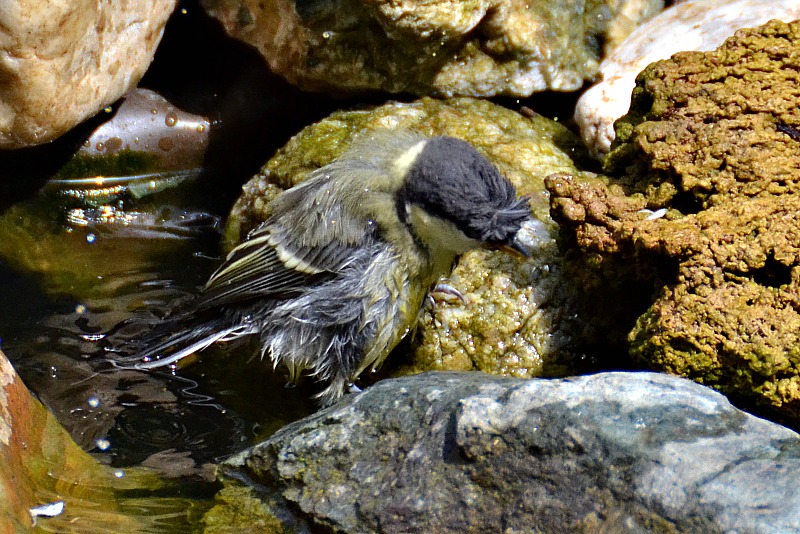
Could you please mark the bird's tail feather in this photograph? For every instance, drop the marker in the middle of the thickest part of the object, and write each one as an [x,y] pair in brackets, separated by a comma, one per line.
[172,341]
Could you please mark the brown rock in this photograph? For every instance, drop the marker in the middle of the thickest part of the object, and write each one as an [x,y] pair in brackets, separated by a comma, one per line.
[692,25]
[706,203]
[60,63]
[40,465]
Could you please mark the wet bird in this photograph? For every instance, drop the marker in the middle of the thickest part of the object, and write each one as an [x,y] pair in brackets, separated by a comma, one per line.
[337,275]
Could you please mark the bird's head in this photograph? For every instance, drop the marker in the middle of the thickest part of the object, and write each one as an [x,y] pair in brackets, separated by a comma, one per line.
[455,199]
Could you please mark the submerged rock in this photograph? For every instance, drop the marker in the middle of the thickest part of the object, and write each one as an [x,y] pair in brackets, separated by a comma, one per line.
[518,318]
[694,25]
[45,478]
[712,146]
[444,48]
[449,452]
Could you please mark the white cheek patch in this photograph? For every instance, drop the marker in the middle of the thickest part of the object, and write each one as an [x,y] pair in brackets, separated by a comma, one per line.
[437,233]
[404,162]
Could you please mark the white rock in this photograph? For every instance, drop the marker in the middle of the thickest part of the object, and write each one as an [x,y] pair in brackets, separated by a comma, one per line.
[695,25]
[61,62]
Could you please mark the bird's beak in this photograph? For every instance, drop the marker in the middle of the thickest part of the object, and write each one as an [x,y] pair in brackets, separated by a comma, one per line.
[532,235]
[514,248]
[518,248]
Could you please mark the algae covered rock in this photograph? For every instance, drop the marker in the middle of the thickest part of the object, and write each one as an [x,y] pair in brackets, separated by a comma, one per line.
[705,202]
[518,317]
[443,47]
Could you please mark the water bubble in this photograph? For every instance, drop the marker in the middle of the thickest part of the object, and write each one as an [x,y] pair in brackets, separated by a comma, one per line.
[46,510]
[80,308]
[94,402]
[102,444]
[119,473]
[91,238]
[171,119]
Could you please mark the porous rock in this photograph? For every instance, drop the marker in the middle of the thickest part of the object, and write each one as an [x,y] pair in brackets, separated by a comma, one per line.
[704,201]
[694,25]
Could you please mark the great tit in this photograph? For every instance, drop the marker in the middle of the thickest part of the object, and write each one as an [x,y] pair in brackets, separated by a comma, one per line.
[337,275]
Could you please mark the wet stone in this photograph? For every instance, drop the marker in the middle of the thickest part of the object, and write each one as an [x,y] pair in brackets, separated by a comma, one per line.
[455,452]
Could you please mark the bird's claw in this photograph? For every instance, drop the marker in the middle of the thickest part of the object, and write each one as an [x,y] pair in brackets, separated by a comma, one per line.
[447,289]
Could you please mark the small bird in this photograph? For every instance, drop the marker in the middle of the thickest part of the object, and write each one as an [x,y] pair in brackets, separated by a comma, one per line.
[338,273]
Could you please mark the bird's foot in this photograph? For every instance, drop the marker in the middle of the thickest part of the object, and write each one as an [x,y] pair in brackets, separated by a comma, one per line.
[445,292]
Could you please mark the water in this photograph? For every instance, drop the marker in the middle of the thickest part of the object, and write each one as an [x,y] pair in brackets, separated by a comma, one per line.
[69,291]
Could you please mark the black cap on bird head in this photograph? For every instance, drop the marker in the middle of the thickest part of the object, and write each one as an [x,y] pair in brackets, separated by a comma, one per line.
[451,180]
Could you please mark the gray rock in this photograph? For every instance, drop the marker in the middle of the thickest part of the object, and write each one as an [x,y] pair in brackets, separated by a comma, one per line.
[466,452]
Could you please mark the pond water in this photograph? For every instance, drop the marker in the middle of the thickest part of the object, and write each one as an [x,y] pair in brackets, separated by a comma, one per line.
[71,291]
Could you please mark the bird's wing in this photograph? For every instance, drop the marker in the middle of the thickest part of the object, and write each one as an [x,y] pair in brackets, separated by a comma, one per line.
[308,239]
[252,269]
